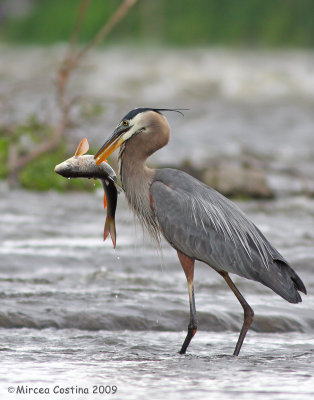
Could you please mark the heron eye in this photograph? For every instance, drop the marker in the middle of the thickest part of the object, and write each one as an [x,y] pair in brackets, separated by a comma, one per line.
[125,123]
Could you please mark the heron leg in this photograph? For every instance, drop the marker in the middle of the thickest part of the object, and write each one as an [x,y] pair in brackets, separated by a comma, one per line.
[188,268]
[248,312]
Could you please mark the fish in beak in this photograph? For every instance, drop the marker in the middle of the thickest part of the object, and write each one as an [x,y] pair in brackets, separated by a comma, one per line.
[82,165]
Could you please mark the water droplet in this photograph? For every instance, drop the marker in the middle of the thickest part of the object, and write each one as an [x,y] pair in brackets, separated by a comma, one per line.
[118,258]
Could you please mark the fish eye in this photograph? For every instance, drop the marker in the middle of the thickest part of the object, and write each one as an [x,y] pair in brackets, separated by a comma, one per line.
[125,123]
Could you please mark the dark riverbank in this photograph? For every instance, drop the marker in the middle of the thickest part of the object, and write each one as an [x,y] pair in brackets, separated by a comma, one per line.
[244,23]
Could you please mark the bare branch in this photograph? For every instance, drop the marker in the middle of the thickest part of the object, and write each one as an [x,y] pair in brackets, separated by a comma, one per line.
[68,65]
[107,28]
[83,7]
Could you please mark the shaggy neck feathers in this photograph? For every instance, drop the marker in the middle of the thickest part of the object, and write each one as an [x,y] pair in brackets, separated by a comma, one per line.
[136,177]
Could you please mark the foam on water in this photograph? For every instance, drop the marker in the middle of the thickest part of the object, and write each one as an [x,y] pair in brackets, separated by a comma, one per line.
[76,312]
[147,365]
[72,266]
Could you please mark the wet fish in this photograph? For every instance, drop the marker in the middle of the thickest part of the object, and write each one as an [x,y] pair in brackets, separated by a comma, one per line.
[84,166]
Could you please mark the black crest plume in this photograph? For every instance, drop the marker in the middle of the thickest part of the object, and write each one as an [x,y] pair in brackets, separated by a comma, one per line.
[136,111]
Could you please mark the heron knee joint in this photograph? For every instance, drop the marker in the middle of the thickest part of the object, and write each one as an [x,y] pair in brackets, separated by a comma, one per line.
[249,314]
[192,329]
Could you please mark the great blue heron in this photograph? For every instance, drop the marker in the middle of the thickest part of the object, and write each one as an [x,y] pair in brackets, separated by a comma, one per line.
[198,222]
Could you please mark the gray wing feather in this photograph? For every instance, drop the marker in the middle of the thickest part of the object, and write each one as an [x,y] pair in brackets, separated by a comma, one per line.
[205,225]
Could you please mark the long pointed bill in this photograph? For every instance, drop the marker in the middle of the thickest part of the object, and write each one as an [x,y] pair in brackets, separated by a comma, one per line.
[110,146]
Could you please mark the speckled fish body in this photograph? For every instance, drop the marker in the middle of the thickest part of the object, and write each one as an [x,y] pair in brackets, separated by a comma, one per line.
[85,167]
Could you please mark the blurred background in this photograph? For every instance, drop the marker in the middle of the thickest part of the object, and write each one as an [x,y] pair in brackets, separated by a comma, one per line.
[284,23]
[71,69]
[243,69]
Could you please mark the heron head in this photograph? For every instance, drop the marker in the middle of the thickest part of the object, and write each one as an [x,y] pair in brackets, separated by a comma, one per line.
[138,121]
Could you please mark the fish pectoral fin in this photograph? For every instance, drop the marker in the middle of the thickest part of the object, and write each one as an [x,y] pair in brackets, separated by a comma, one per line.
[110,227]
[82,148]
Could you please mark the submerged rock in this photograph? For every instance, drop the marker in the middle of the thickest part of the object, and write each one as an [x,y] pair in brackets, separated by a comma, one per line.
[232,178]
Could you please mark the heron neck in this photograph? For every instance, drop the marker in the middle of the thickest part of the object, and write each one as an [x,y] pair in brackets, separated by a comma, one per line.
[136,179]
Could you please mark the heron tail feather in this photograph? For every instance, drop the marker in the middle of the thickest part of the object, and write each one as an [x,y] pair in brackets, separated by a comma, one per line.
[289,291]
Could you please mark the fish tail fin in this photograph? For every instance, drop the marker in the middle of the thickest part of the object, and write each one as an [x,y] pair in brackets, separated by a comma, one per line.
[110,227]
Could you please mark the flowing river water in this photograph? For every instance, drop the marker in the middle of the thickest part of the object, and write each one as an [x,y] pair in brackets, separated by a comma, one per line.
[78,316]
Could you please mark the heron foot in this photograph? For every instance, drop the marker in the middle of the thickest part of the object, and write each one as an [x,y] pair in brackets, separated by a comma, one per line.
[248,319]
[191,332]
[248,312]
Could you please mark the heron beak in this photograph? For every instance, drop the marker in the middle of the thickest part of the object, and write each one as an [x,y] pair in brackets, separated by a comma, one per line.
[111,145]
